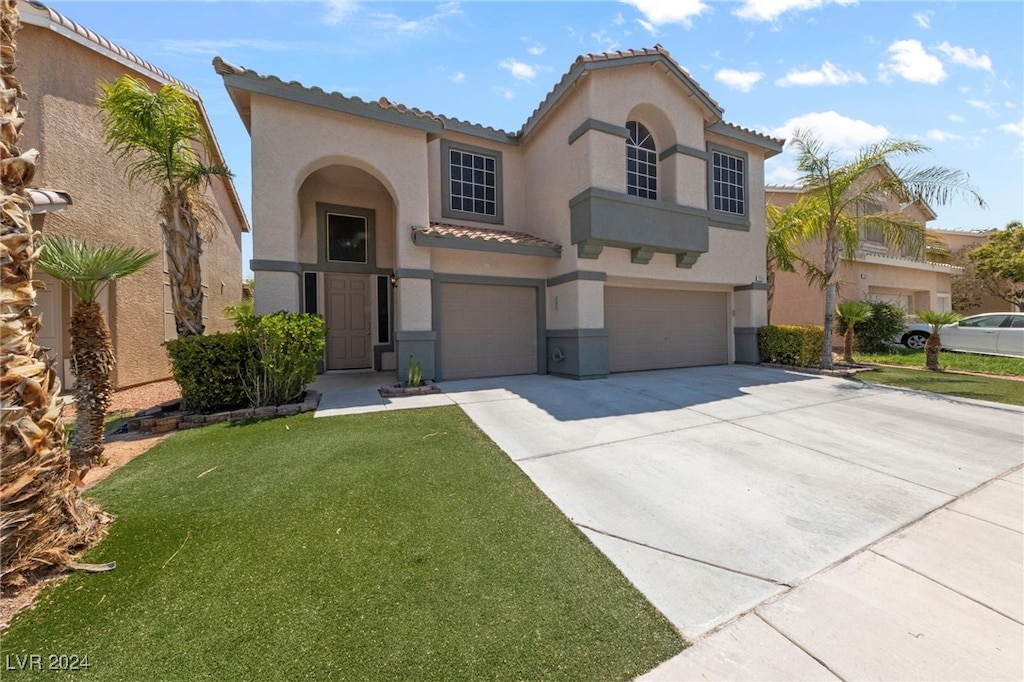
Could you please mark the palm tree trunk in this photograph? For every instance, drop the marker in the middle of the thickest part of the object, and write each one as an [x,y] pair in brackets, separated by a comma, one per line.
[770,278]
[848,345]
[184,245]
[92,359]
[43,517]
[830,268]
[931,352]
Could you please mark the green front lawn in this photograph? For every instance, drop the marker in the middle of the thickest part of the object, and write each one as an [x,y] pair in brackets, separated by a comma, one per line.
[394,545]
[967,362]
[994,389]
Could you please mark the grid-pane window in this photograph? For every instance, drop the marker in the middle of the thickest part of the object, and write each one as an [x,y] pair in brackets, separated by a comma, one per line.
[473,183]
[641,162]
[729,174]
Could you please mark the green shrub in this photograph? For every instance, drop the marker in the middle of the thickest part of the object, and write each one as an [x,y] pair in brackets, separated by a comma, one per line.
[209,370]
[796,345]
[886,324]
[287,347]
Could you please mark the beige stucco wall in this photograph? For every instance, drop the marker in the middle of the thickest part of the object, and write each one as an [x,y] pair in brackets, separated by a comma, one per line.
[60,77]
[291,142]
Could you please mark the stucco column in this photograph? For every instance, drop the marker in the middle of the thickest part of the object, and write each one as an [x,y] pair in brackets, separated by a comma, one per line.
[577,341]
[749,312]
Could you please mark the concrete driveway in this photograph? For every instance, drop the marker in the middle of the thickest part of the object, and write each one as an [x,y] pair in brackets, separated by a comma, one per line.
[719,489]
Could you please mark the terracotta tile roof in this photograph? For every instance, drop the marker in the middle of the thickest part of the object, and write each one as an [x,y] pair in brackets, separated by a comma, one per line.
[579,66]
[62,21]
[48,200]
[647,54]
[446,230]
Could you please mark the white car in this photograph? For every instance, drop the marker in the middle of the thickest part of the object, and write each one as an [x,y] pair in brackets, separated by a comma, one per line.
[990,333]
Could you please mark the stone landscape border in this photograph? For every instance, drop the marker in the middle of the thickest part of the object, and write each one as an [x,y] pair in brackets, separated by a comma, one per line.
[165,417]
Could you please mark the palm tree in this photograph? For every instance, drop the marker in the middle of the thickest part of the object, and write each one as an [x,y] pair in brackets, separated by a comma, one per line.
[841,196]
[159,137]
[87,269]
[43,517]
[851,313]
[935,320]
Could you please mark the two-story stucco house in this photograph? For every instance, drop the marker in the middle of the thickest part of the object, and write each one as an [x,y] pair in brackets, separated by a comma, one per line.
[82,193]
[621,228]
[903,275]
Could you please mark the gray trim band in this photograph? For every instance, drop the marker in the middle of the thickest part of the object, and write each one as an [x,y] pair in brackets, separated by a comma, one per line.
[266,265]
[599,126]
[577,333]
[428,335]
[407,273]
[686,151]
[578,275]
[753,286]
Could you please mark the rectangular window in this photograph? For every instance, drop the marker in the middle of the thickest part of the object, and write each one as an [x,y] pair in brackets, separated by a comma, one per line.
[471,183]
[728,183]
[383,309]
[310,292]
[346,238]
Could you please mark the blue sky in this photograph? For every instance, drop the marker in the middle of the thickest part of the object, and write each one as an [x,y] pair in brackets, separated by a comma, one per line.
[947,74]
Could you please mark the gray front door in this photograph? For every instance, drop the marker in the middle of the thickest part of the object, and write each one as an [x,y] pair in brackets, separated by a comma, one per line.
[349,343]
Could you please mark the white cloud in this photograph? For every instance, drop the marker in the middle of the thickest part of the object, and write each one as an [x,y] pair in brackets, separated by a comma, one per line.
[457,77]
[979,104]
[966,56]
[738,80]
[844,135]
[1015,129]
[536,50]
[924,19]
[505,93]
[619,20]
[1010,105]
[606,42]
[771,10]
[339,10]
[661,12]
[828,74]
[937,135]
[392,22]
[519,70]
[909,60]
[956,118]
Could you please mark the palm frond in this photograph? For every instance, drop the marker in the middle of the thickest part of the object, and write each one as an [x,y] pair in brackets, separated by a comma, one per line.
[88,268]
[156,136]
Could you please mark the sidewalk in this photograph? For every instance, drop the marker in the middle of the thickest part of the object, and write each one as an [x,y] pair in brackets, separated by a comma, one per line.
[942,599]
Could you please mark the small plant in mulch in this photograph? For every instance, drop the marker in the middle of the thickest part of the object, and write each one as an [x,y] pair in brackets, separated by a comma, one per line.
[414,383]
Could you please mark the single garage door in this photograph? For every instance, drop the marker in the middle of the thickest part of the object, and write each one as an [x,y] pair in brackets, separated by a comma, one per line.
[487,330]
[656,329]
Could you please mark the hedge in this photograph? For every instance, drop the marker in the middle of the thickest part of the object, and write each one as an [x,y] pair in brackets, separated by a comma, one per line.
[796,345]
[209,370]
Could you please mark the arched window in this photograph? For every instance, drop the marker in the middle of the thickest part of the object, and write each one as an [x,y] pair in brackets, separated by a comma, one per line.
[641,162]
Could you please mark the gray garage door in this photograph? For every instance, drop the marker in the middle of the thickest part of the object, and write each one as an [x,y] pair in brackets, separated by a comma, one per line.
[655,329]
[487,330]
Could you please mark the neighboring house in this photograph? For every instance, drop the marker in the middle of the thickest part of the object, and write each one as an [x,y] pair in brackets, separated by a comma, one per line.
[877,272]
[621,228]
[61,63]
[950,242]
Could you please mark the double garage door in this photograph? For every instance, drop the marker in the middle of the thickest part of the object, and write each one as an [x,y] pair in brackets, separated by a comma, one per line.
[656,329]
[487,330]
[491,330]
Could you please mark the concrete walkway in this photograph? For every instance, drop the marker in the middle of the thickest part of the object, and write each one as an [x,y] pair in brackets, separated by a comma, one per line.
[792,526]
